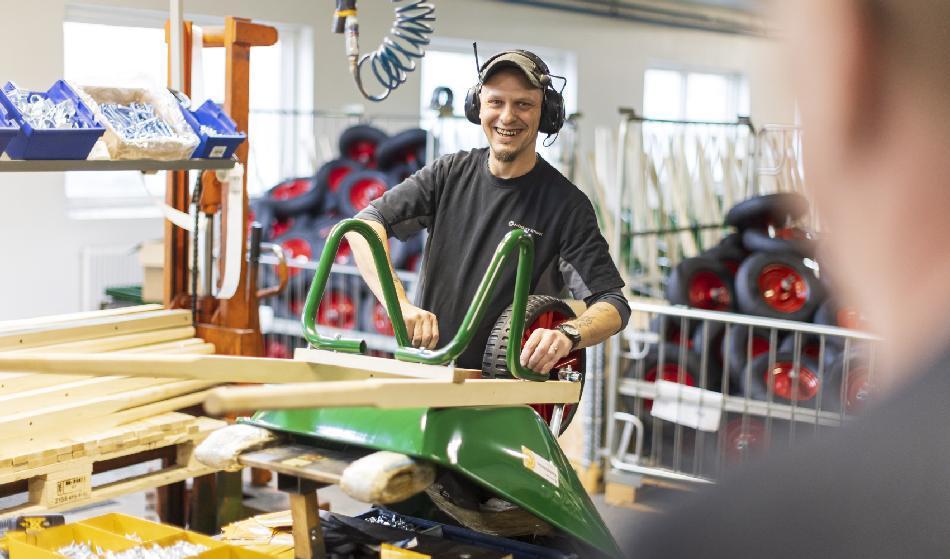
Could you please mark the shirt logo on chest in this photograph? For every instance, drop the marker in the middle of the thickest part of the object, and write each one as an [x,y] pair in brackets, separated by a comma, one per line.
[527,230]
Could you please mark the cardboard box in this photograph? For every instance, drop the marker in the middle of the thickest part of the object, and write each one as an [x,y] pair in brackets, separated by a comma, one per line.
[152,258]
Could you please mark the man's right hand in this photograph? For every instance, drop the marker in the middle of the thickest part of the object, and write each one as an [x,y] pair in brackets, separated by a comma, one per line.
[422,326]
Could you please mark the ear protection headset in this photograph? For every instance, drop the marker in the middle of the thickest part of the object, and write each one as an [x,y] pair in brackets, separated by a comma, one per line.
[552,102]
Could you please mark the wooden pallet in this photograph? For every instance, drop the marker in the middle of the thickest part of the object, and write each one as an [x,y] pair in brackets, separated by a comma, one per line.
[59,476]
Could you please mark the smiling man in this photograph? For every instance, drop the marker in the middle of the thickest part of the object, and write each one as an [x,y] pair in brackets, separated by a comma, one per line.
[469,200]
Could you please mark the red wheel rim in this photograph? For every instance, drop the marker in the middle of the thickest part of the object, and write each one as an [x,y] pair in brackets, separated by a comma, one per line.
[860,390]
[344,253]
[791,234]
[708,291]
[759,346]
[363,151]
[336,175]
[381,322]
[365,191]
[280,226]
[783,288]
[783,380]
[276,350]
[296,249]
[548,321]
[291,189]
[741,441]
[676,336]
[670,372]
[337,310]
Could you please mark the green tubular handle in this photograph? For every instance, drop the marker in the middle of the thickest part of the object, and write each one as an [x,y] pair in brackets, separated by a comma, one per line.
[516,239]
[319,283]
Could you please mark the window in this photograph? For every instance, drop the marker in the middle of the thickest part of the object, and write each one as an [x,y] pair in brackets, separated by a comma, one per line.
[451,63]
[699,96]
[90,57]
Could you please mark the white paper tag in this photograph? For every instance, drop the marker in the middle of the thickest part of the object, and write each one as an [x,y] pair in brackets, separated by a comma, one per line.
[687,405]
[541,466]
[217,152]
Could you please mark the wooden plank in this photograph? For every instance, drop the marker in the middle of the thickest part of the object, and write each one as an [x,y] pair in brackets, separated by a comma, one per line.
[322,465]
[391,393]
[177,346]
[53,418]
[83,388]
[305,526]
[115,343]
[381,365]
[29,323]
[94,328]
[225,368]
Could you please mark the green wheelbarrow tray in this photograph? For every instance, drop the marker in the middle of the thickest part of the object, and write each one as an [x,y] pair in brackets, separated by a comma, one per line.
[507,450]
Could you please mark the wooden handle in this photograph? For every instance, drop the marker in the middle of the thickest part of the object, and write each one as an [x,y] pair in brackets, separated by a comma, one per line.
[391,393]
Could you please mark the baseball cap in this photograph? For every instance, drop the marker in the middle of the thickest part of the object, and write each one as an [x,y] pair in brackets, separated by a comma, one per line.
[536,74]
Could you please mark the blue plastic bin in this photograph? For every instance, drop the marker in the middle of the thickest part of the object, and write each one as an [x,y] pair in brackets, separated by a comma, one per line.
[518,550]
[52,143]
[221,145]
[8,129]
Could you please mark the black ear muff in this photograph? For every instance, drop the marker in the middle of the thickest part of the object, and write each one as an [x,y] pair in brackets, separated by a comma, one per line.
[552,112]
[472,104]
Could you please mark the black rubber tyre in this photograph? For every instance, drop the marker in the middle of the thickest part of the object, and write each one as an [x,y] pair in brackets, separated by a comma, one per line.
[771,209]
[401,148]
[401,252]
[329,176]
[738,350]
[361,143]
[754,381]
[294,197]
[673,369]
[358,189]
[758,240]
[496,350]
[778,285]
[670,329]
[710,337]
[729,252]
[399,173]
[858,389]
[702,283]
[811,346]
[321,227]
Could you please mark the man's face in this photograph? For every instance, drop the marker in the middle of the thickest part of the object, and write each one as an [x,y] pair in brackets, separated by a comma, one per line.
[510,111]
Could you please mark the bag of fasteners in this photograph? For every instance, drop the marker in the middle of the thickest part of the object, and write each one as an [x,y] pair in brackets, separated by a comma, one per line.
[140,123]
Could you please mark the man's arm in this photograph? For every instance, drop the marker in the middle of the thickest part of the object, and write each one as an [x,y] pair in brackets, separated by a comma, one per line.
[422,326]
[546,347]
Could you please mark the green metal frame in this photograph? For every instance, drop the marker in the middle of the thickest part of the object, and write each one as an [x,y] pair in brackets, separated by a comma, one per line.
[516,239]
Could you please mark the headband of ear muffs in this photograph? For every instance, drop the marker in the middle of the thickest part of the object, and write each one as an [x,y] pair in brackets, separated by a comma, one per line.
[552,103]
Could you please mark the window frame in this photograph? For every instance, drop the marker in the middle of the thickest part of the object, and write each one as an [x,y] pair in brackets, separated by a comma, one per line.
[739,97]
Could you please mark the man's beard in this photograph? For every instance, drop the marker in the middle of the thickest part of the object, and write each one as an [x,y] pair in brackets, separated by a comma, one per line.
[507,155]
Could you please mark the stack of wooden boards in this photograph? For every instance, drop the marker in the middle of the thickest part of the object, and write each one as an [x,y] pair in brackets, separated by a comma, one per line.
[56,430]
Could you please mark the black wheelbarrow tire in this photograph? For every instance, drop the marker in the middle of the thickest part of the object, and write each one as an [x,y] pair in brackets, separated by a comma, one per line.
[360,143]
[770,209]
[778,285]
[358,189]
[755,381]
[759,240]
[541,311]
[403,147]
[702,283]
[297,196]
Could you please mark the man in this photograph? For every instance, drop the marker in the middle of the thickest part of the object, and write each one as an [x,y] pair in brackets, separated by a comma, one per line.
[874,93]
[468,201]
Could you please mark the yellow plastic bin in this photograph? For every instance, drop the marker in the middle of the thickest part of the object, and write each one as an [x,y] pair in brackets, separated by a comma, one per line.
[132,528]
[187,536]
[44,544]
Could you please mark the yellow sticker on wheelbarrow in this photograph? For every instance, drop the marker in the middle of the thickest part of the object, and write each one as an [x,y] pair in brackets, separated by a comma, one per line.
[541,466]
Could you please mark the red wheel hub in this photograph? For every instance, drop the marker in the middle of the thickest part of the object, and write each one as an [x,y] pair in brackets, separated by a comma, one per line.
[676,336]
[364,152]
[548,321]
[708,291]
[860,390]
[291,189]
[381,322]
[280,226]
[742,440]
[297,249]
[336,175]
[276,350]
[365,191]
[791,234]
[783,379]
[337,310]
[783,288]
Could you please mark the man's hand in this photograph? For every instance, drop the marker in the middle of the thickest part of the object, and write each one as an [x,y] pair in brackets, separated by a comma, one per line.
[422,326]
[543,349]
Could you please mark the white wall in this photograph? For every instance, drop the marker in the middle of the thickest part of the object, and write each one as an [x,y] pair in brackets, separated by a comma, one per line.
[41,245]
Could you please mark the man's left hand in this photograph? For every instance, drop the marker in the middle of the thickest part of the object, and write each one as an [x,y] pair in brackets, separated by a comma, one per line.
[544,349]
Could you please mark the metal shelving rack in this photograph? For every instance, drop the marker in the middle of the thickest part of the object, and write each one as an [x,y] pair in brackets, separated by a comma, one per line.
[143,165]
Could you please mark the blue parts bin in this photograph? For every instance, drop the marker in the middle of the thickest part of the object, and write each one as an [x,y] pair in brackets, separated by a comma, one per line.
[8,129]
[218,134]
[34,142]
